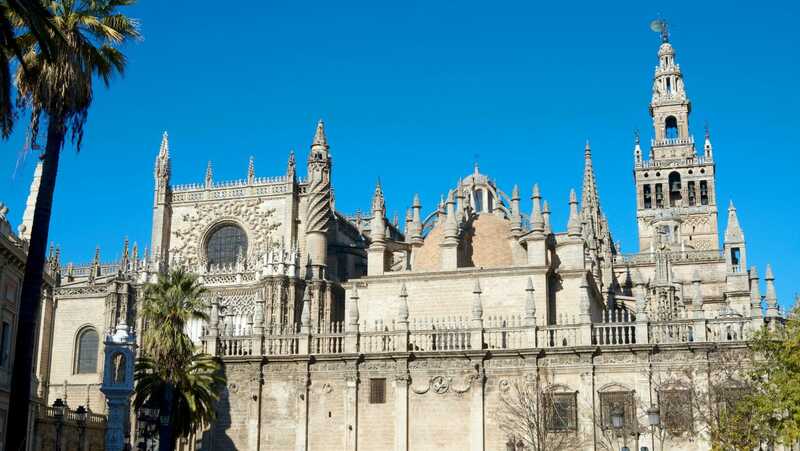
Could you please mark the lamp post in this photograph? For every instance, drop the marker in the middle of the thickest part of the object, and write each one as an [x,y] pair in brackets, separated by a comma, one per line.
[81,418]
[618,424]
[58,414]
[654,420]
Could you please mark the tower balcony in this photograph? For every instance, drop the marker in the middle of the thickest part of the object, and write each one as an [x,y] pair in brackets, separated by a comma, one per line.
[689,140]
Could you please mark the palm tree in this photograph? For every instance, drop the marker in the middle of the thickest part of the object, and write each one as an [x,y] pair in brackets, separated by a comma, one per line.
[59,90]
[171,374]
[34,19]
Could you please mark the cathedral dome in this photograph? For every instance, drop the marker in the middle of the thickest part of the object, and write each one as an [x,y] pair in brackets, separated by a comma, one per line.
[484,243]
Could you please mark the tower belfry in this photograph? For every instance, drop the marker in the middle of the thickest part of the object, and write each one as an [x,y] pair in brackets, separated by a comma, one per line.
[676,202]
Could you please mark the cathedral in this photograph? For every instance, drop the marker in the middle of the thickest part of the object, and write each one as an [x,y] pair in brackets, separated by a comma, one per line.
[355,332]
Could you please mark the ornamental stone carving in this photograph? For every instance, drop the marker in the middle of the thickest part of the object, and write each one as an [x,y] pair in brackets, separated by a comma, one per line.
[251,214]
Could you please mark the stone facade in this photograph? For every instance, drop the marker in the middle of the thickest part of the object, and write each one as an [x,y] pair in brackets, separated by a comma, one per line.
[345,332]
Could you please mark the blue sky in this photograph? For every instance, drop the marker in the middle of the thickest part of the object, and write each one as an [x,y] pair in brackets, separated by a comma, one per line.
[415,92]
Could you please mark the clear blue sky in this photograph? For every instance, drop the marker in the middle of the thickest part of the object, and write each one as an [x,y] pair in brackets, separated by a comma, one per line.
[412,91]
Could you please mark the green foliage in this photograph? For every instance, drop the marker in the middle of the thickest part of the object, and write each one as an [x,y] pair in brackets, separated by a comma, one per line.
[20,17]
[167,308]
[61,86]
[170,360]
[776,378]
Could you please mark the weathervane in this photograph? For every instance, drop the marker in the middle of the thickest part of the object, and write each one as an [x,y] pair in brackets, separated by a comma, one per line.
[660,26]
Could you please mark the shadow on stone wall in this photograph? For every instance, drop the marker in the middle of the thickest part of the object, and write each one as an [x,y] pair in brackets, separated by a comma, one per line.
[68,428]
[218,436]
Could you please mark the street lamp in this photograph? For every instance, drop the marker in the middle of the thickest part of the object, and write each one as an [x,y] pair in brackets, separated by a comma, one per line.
[58,414]
[654,420]
[618,422]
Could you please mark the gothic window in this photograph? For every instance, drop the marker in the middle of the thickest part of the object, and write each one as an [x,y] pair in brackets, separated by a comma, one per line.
[225,245]
[676,410]
[562,411]
[377,391]
[671,127]
[5,345]
[86,353]
[648,196]
[674,189]
[669,86]
[618,402]
[703,192]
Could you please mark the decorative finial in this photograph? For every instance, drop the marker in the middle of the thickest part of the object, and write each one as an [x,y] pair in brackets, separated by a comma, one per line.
[660,26]
[251,169]
[636,136]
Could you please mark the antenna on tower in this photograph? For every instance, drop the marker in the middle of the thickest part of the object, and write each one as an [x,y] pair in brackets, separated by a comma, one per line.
[660,26]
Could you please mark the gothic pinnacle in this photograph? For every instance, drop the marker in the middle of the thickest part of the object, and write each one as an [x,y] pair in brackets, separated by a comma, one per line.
[546,216]
[209,175]
[319,136]
[733,231]
[164,150]
[574,222]
[378,201]
[537,220]
[402,313]
[251,170]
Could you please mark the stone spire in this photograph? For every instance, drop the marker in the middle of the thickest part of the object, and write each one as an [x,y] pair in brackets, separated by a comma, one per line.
[537,220]
[209,176]
[708,150]
[305,313]
[637,150]
[450,224]
[416,220]
[125,256]
[162,169]
[574,223]
[291,167]
[353,307]
[378,226]
[755,294]
[733,232]
[251,171]
[319,203]
[24,229]
[477,305]
[589,197]
[530,302]
[516,214]
[95,271]
[319,146]
[771,297]
[402,313]
[546,215]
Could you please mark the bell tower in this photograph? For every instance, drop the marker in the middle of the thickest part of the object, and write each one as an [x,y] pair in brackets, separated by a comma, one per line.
[676,202]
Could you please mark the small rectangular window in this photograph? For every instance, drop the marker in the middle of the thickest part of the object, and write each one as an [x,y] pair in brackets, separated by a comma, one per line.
[5,344]
[377,391]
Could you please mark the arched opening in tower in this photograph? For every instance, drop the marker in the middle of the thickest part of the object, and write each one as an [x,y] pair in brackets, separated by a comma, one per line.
[674,189]
[671,128]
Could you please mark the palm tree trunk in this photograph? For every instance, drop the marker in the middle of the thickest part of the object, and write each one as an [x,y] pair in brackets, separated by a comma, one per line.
[19,403]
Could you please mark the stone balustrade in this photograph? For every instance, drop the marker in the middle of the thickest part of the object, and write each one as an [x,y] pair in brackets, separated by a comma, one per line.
[615,328]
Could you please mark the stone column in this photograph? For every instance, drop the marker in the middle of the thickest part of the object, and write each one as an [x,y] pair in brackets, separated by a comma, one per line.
[351,408]
[254,410]
[402,380]
[477,413]
[301,432]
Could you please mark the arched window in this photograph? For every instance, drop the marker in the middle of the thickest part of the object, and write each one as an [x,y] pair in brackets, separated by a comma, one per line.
[478,200]
[225,244]
[671,125]
[86,354]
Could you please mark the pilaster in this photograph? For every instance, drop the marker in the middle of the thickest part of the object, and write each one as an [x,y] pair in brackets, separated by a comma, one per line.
[301,432]
[351,407]
[402,380]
